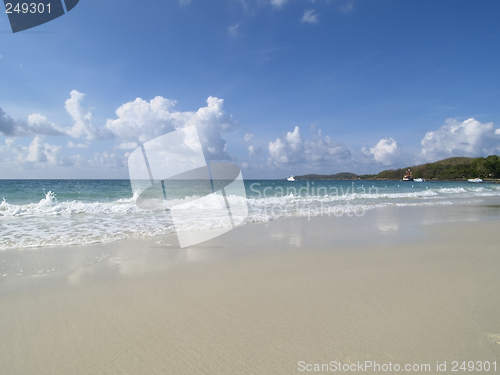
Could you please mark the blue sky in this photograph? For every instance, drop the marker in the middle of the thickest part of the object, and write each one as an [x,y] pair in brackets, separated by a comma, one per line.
[278,86]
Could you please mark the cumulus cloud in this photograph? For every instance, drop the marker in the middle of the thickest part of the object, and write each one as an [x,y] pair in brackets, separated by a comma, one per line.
[38,124]
[140,121]
[44,160]
[248,137]
[309,16]
[252,150]
[386,151]
[456,138]
[319,150]
[82,118]
[136,122]
[128,145]
[8,126]
[36,152]
[35,124]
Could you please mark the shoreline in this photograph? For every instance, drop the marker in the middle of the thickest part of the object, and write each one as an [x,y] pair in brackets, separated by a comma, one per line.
[470,209]
[388,218]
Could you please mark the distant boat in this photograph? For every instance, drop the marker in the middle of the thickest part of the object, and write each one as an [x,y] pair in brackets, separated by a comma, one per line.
[475,180]
[291,178]
[408,175]
[418,179]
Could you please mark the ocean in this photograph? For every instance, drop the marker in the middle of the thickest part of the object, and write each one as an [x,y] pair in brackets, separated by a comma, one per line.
[41,213]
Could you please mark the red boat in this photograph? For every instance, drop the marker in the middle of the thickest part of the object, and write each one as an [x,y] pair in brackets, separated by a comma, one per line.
[408,175]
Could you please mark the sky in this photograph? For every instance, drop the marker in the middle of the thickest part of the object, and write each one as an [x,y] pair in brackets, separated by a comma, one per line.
[278,87]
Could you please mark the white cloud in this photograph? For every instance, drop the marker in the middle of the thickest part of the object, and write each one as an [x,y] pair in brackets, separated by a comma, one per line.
[35,124]
[278,3]
[455,138]
[76,145]
[40,159]
[233,30]
[184,2]
[309,16]
[211,121]
[128,145]
[294,140]
[39,124]
[82,118]
[51,152]
[35,152]
[248,137]
[252,150]
[386,151]
[137,122]
[140,121]
[319,150]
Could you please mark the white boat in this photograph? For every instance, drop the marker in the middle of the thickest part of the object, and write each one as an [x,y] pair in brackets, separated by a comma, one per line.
[475,180]
[291,178]
[418,179]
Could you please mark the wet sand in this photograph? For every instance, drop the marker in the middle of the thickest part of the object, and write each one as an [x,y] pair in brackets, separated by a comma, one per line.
[418,285]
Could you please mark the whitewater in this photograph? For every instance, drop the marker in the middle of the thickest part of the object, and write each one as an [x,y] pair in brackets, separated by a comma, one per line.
[41,213]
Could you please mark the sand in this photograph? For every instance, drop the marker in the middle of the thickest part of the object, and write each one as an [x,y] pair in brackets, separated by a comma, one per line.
[415,286]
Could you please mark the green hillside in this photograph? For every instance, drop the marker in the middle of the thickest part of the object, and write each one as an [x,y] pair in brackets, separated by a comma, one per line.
[449,169]
[457,168]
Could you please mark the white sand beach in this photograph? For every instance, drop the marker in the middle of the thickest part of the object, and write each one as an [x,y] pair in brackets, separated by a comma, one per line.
[413,285]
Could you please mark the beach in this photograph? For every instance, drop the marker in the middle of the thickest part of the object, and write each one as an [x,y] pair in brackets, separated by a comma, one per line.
[267,187]
[402,286]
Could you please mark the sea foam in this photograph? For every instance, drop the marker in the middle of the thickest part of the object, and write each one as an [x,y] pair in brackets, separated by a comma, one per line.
[52,221]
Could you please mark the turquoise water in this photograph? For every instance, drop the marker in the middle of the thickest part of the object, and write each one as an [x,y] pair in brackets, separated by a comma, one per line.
[37,213]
